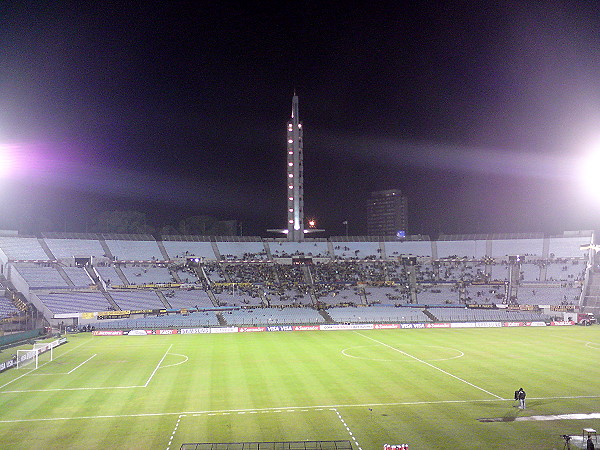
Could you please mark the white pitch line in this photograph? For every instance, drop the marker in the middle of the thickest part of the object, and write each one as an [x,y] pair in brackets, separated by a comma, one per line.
[174,431]
[266,410]
[15,379]
[70,389]
[431,365]
[347,428]
[158,365]
[176,364]
[73,370]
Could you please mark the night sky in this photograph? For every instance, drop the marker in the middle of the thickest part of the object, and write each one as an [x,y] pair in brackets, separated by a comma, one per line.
[480,112]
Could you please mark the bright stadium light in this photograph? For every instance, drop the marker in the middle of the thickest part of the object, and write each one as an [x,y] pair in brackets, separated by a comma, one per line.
[7,160]
[589,173]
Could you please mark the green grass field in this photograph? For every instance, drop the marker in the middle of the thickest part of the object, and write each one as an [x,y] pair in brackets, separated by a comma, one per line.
[427,388]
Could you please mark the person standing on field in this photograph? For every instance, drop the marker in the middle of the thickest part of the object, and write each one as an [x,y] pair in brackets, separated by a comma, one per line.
[521,396]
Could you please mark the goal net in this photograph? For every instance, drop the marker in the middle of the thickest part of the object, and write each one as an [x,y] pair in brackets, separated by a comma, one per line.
[39,354]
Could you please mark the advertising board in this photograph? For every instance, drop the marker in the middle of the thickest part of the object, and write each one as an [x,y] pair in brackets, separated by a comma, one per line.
[194,331]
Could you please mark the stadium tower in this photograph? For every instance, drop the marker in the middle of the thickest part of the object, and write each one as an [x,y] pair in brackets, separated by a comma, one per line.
[295,179]
[295,230]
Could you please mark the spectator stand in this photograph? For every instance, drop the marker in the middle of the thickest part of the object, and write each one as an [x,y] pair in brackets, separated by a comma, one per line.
[462,270]
[438,293]
[569,244]
[475,247]
[127,248]
[141,274]
[486,293]
[330,295]
[528,245]
[109,276]
[412,246]
[243,250]
[67,246]
[79,277]
[280,248]
[137,299]
[191,320]
[21,249]
[272,316]
[192,299]
[387,296]
[377,314]
[74,302]
[7,309]
[357,250]
[182,247]
[40,277]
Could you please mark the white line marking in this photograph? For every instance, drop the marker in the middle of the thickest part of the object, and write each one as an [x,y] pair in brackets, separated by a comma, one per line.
[176,364]
[431,365]
[63,373]
[346,352]
[347,428]
[70,389]
[73,370]
[267,410]
[15,379]
[158,365]
[174,431]
[46,374]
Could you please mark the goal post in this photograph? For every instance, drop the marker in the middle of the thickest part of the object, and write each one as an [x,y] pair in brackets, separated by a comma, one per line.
[40,353]
[27,359]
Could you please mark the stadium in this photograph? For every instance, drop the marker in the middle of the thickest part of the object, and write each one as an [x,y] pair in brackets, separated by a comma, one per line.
[352,342]
[345,342]
[404,334]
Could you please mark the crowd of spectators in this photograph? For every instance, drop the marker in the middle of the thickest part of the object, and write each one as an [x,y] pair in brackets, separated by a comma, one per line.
[259,256]
[251,283]
[260,273]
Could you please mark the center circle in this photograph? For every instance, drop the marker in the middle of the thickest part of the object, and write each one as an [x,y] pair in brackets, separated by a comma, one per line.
[414,352]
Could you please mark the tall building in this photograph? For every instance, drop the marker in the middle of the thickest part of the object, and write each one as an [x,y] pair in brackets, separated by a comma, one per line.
[387,213]
[295,177]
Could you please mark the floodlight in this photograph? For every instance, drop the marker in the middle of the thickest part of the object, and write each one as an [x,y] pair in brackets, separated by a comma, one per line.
[589,173]
[7,160]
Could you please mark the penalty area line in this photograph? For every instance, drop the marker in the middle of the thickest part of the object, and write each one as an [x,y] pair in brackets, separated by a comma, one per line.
[73,370]
[158,365]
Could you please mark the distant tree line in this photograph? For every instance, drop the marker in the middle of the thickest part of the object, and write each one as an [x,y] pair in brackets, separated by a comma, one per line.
[136,222]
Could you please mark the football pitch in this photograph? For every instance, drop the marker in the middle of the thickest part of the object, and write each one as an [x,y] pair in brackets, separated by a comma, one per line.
[426,388]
